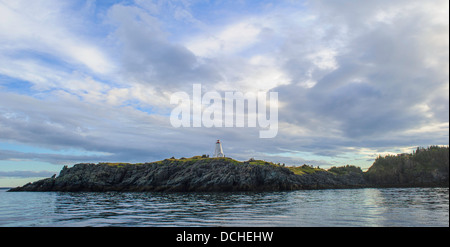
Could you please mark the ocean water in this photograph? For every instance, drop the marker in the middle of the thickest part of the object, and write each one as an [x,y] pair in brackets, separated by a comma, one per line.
[341,208]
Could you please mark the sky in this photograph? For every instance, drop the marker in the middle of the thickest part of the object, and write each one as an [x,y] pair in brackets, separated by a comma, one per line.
[91,81]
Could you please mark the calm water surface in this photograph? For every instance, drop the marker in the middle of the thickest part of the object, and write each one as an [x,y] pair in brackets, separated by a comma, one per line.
[349,207]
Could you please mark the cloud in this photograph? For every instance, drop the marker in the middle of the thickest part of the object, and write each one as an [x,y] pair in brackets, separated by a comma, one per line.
[26,174]
[147,57]
[83,126]
[232,39]
[46,27]
[353,77]
[377,77]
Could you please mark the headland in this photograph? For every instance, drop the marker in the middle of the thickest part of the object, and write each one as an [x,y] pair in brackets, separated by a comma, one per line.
[424,168]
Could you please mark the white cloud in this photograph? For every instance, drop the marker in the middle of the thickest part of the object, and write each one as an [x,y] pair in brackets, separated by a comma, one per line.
[44,27]
[324,59]
[366,74]
[227,41]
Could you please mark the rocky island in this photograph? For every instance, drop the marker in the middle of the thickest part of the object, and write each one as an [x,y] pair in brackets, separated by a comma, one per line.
[428,167]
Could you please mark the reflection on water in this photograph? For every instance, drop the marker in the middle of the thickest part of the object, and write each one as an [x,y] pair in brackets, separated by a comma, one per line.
[409,206]
[350,207]
[169,209]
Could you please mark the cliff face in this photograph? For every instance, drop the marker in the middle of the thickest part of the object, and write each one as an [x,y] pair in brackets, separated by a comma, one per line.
[425,167]
[194,174]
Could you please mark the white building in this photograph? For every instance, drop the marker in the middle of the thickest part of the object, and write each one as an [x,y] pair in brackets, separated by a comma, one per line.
[218,152]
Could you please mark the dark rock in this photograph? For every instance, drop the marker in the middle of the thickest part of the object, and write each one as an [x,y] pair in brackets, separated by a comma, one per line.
[225,174]
[205,174]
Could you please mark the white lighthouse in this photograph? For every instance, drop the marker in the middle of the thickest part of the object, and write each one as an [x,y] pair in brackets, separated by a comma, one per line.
[218,152]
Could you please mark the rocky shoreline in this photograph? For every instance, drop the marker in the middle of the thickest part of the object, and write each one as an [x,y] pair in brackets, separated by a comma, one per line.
[225,174]
[211,174]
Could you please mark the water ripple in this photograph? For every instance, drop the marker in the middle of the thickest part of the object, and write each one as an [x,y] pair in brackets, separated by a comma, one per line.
[351,207]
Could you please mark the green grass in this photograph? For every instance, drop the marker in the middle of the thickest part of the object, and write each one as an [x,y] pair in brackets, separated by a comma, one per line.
[299,170]
[261,162]
[304,169]
[193,160]
[180,161]
[258,162]
[115,164]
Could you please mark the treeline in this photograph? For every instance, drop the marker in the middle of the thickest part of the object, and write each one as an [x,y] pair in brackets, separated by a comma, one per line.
[424,167]
[344,170]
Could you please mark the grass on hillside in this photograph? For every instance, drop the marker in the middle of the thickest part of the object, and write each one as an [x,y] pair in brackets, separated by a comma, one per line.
[304,169]
[298,170]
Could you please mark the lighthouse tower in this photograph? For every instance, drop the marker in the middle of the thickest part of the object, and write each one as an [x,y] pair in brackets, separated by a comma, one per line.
[218,152]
